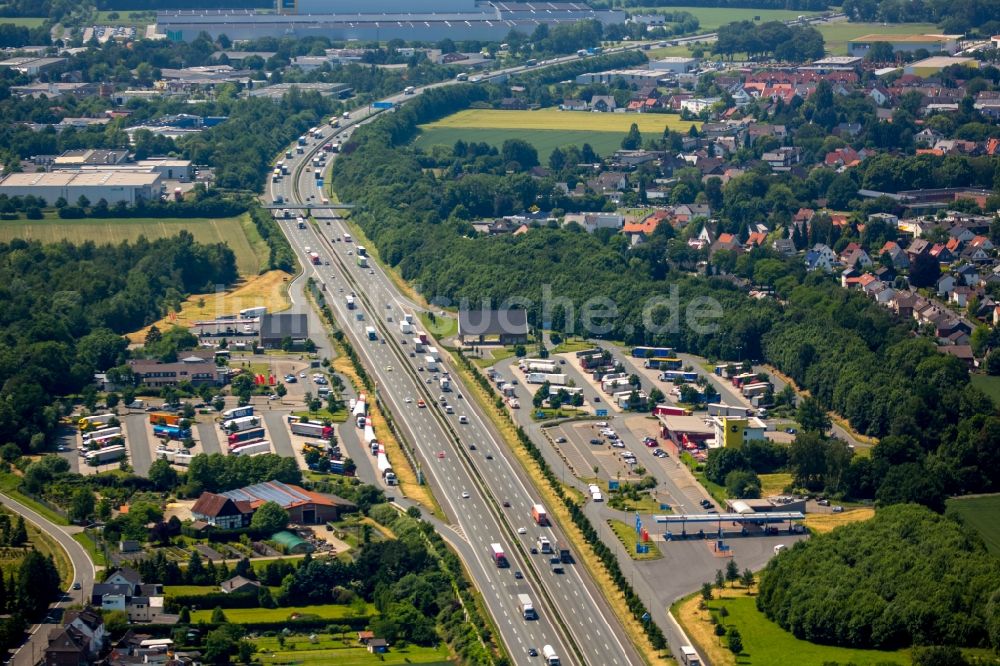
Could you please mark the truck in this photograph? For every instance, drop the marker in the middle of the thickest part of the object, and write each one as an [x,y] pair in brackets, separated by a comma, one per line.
[433,353]
[246,436]
[105,455]
[499,558]
[689,657]
[362,261]
[302,140]
[582,53]
[92,422]
[350,302]
[526,607]
[241,423]
[384,468]
[670,410]
[418,345]
[251,313]
[544,545]
[300,222]
[652,352]
[760,388]
[550,656]
[284,169]
[539,516]
[719,409]
[314,258]
[431,363]
[409,90]
[542,377]
[405,327]
[347,238]
[462,76]
[369,434]
[164,418]
[103,433]
[370,332]
[250,448]
[237,413]
[171,432]
[541,366]
[445,383]
[309,429]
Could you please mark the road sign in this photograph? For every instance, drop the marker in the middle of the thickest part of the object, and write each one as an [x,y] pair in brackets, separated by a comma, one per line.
[601,412]
[613,485]
[664,507]
[539,415]
[381,105]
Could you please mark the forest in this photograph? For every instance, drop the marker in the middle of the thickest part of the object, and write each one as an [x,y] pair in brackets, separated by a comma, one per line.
[66,307]
[958,17]
[940,434]
[906,577]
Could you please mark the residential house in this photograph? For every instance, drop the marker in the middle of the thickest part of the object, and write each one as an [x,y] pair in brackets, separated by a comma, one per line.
[602,103]
[820,257]
[917,247]
[945,285]
[638,232]
[904,302]
[962,352]
[784,246]
[927,137]
[961,233]
[730,242]
[609,182]
[239,585]
[960,296]
[981,242]
[574,105]
[378,646]
[880,95]
[124,590]
[975,254]
[594,221]
[222,512]
[896,255]
[941,252]
[684,213]
[968,275]
[857,259]
[755,239]
[784,158]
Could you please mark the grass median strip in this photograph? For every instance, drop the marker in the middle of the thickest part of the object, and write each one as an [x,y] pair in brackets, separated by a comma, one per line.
[627,535]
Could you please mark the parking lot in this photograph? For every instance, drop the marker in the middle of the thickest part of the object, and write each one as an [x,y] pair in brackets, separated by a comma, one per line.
[583,455]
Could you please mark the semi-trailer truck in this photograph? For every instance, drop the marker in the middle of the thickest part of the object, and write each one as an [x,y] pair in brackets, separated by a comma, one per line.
[97,421]
[241,423]
[246,435]
[527,608]
[431,363]
[250,448]
[445,383]
[105,455]
[539,516]
[307,429]
[237,413]
[362,261]
[164,418]
[171,432]
[314,258]
[103,433]
[689,657]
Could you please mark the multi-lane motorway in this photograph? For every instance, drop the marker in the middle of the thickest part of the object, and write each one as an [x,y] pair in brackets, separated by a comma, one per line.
[573,618]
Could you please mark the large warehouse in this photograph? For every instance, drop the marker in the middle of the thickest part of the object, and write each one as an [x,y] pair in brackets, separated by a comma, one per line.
[425,20]
[112,186]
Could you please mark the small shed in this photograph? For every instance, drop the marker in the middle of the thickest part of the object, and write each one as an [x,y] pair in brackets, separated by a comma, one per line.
[378,646]
[293,544]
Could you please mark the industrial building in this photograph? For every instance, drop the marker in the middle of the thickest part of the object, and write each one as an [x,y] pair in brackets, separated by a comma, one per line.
[424,20]
[275,328]
[639,77]
[508,327]
[731,432]
[233,509]
[112,186]
[675,64]
[933,65]
[905,43]
[77,159]
[194,369]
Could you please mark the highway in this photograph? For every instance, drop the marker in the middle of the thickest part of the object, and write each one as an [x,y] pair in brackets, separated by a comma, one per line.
[441,444]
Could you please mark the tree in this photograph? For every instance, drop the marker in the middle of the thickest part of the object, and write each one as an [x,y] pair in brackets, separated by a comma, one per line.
[734,641]
[81,507]
[924,270]
[184,617]
[632,140]
[270,517]
[162,475]
[721,462]
[938,655]
[746,579]
[993,362]
[218,616]
[880,52]
[720,579]
[520,152]
[743,484]
[116,622]
[706,591]
[732,571]
[812,416]
[264,597]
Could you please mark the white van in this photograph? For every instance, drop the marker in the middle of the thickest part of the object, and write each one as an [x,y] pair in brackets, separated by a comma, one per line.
[780,547]
[463,419]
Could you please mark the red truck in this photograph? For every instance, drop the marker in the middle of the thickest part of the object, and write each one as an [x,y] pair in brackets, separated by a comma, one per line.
[538,515]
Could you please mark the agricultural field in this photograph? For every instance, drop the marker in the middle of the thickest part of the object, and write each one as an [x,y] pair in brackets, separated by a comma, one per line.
[764,641]
[268,289]
[342,650]
[24,21]
[136,17]
[545,129]
[827,522]
[982,513]
[711,18]
[236,232]
[251,615]
[988,385]
[837,35]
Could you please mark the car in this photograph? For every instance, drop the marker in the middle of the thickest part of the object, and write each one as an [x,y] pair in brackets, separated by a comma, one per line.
[560,440]
[465,494]
[402,341]
[532,652]
[472,447]
[597,398]
[518,575]
[421,403]
[409,400]
[350,252]
[412,355]
[441,455]
[823,502]
[791,431]
[77,586]
[463,419]
[837,509]
[506,504]
[428,380]
[562,361]
[534,551]
[420,368]
[489,456]
[597,442]
[601,424]
[388,368]
[371,271]
[302,375]
[273,396]
[521,530]
[458,395]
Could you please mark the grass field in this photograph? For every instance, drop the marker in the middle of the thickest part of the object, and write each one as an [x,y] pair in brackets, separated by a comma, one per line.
[269,289]
[982,513]
[123,17]
[765,643]
[24,21]
[774,484]
[837,35]
[441,328]
[710,18]
[198,590]
[236,232]
[330,649]
[546,129]
[988,385]
[251,615]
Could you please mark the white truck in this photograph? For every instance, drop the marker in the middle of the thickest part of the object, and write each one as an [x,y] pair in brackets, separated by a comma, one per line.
[550,656]
[405,327]
[689,657]
[431,363]
[526,607]
[240,424]
[445,383]
[105,455]
[251,448]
